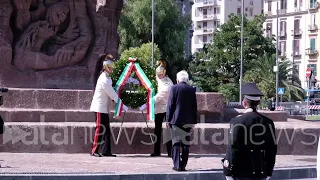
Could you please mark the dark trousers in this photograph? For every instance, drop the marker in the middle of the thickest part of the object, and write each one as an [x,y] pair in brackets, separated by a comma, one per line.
[180,139]
[102,134]
[158,131]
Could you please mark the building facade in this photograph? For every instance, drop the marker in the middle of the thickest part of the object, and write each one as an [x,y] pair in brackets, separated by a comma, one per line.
[298,39]
[208,15]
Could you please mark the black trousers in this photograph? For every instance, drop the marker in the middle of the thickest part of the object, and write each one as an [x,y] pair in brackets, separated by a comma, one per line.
[102,134]
[180,139]
[158,131]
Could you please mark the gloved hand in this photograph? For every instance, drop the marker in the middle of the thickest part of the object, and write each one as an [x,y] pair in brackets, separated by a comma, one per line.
[125,108]
[141,108]
[268,177]
[229,178]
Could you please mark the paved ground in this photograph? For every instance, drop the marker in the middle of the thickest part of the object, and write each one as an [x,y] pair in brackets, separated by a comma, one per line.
[123,164]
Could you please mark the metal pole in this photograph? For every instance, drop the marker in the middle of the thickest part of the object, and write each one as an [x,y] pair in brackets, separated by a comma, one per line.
[152,33]
[277,57]
[241,53]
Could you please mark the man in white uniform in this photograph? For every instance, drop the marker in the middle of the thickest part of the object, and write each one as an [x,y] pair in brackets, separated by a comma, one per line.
[103,95]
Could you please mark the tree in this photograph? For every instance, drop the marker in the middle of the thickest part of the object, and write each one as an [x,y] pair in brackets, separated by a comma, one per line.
[222,56]
[143,53]
[263,75]
[170,27]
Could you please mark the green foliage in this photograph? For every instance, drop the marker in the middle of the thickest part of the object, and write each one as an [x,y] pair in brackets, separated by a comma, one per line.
[144,53]
[263,75]
[170,28]
[133,95]
[219,63]
[229,91]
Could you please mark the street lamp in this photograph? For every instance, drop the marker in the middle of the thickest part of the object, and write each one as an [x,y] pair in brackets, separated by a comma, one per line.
[152,33]
[241,55]
[277,57]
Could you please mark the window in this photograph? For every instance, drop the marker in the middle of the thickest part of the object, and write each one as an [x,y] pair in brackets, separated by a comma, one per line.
[313,68]
[251,12]
[269,29]
[312,44]
[313,19]
[239,10]
[282,48]
[218,10]
[204,38]
[283,27]
[296,47]
[283,4]
[269,6]
[297,24]
[313,3]
[297,3]
[296,66]
[204,25]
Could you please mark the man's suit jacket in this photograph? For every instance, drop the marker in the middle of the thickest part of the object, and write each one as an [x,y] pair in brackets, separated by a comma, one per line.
[182,105]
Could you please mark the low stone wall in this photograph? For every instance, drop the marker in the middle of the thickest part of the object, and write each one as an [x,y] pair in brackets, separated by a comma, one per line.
[230,113]
[293,139]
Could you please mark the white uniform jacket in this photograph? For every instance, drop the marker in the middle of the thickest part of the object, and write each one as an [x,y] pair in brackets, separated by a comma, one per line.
[161,98]
[103,94]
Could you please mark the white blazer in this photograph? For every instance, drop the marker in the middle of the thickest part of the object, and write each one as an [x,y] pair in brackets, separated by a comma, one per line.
[103,94]
[161,98]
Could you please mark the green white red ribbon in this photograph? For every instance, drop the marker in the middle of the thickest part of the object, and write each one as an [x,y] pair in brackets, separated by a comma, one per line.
[132,65]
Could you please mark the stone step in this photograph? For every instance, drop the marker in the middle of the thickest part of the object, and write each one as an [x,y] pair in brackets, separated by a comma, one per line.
[60,166]
[294,138]
[66,115]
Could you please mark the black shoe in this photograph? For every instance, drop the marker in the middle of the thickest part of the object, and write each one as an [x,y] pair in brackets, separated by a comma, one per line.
[178,169]
[96,154]
[108,155]
[169,155]
[155,154]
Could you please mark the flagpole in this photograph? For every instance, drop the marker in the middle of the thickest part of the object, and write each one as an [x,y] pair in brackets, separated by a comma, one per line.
[152,33]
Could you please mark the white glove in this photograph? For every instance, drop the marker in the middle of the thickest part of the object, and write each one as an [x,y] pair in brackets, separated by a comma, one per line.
[229,178]
[268,177]
[141,108]
[125,108]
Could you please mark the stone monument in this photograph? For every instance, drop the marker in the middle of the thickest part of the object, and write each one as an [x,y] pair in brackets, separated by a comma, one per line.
[55,43]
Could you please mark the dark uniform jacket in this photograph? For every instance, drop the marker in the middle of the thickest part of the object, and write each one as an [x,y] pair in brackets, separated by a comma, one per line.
[182,105]
[252,147]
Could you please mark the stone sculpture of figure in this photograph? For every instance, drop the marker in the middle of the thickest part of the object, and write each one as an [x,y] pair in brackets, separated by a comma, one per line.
[62,39]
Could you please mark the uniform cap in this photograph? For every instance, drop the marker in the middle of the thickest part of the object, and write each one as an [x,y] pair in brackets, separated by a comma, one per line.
[251,92]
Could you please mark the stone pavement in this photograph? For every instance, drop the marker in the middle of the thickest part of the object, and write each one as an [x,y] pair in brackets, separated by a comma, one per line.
[136,166]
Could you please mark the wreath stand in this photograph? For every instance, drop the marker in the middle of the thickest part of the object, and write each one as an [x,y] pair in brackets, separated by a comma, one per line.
[122,119]
[134,66]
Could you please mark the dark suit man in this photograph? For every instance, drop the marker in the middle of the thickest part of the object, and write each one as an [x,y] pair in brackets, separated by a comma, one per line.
[181,116]
[252,148]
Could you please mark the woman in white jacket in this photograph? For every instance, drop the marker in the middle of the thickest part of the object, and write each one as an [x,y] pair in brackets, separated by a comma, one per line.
[161,100]
[103,95]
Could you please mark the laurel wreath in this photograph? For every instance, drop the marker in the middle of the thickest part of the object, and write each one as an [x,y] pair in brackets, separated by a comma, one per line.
[133,95]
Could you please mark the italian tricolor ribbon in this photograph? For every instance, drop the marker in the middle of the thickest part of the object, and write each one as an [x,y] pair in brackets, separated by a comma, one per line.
[132,65]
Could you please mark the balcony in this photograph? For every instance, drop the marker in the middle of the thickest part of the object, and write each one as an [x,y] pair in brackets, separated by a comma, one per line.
[201,31]
[296,53]
[282,11]
[296,32]
[311,52]
[314,6]
[207,3]
[207,17]
[283,34]
[282,55]
[313,27]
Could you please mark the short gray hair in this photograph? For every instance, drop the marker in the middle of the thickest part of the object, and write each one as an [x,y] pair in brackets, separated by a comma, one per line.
[183,76]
